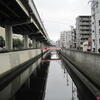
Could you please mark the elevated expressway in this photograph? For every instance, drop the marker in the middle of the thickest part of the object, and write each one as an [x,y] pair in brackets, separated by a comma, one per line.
[20,17]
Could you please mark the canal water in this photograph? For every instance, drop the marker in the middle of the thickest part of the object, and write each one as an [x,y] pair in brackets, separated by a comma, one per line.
[59,84]
[52,80]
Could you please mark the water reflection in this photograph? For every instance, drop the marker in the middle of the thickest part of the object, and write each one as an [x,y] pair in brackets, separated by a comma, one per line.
[36,88]
[83,92]
[59,84]
[74,89]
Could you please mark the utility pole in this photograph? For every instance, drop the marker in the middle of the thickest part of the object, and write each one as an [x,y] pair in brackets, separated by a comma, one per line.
[94,3]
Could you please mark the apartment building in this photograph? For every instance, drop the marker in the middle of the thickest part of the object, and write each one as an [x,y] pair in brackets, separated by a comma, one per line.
[65,39]
[57,43]
[83,30]
[95,18]
[73,37]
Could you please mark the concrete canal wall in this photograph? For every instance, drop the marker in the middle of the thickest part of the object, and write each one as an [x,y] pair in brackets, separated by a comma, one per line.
[87,63]
[6,92]
[13,59]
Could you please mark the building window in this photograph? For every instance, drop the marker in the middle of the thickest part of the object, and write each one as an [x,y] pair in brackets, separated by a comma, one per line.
[94,41]
[96,4]
[99,22]
[99,31]
[99,41]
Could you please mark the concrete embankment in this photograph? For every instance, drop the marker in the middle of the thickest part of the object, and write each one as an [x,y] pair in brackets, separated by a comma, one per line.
[18,66]
[12,59]
[86,63]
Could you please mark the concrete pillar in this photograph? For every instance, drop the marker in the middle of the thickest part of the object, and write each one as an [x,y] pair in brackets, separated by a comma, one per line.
[34,43]
[26,42]
[38,44]
[43,46]
[8,38]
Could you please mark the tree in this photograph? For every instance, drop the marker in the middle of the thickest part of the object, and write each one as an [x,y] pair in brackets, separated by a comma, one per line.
[30,45]
[17,43]
[2,42]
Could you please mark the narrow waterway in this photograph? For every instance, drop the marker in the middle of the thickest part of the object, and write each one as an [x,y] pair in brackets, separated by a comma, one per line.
[51,80]
[59,84]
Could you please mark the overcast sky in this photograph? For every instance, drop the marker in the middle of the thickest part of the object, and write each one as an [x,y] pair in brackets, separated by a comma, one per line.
[59,15]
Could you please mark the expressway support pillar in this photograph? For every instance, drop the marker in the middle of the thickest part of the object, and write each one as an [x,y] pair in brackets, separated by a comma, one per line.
[41,45]
[26,43]
[8,38]
[34,43]
[38,44]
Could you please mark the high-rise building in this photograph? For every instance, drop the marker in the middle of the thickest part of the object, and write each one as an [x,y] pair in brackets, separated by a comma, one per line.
[83,30]
[65,39]
[73,37]
[95,17]
[58,43]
